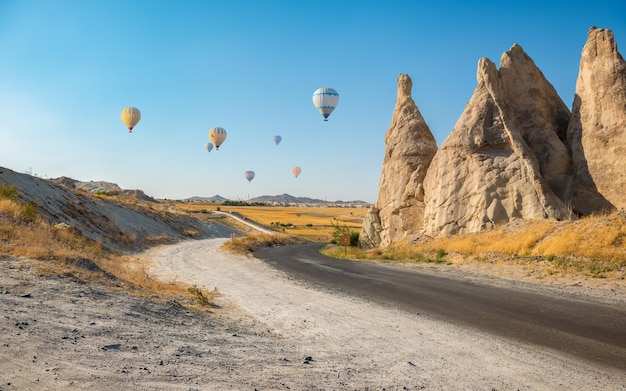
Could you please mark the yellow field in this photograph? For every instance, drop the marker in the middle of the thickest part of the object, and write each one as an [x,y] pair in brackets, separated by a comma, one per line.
[315,223]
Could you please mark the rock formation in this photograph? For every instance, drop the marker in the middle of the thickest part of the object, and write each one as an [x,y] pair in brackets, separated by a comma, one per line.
[597,131]
[516,151]
[505,155]
[410,146]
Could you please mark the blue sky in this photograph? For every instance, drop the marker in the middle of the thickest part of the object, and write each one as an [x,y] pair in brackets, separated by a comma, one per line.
[67,68]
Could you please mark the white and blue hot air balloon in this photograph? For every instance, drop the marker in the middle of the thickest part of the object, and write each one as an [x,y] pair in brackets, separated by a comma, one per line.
[277,139]
[325,101]
[217,136]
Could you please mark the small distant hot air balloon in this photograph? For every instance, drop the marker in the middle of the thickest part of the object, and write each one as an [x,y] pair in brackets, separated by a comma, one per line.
[277,139]
[296,171]
[325,101]
[249,175]
[217,136]
[130,116]
[208,147]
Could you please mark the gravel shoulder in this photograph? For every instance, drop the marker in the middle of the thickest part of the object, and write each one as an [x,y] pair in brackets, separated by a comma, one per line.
[271,332]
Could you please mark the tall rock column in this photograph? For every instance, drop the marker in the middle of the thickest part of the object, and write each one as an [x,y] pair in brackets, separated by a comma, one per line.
[410,146]
[597,131]
[502,157]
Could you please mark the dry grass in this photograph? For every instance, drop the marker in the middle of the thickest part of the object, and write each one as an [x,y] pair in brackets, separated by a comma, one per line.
[594,246]
[255,241]
[311,223]
[600,238]
[60,250]
[519,238]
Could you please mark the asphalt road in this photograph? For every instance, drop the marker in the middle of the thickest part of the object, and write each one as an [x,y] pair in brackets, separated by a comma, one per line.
[586,330]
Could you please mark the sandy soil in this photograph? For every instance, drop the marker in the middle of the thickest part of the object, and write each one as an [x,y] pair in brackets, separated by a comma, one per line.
[271,333]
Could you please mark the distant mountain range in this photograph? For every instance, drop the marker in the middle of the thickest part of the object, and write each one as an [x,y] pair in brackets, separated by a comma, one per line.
[282,199]
[285,199]
[215,198]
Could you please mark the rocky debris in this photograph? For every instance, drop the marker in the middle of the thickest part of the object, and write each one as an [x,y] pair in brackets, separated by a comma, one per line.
[597,131]
[503,155]
[371,229]
[410,146]
[62,227]
[102,187]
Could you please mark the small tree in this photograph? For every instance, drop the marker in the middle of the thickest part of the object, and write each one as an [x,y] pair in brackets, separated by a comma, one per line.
[344,230]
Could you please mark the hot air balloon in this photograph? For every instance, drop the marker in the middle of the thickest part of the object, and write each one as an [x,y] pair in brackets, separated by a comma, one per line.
[249,175]
[325,101]
[130,116]
[208,147]
[217,136]
[296,171]
[277,139]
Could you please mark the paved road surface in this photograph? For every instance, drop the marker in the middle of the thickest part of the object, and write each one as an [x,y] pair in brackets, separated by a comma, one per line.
[587,330]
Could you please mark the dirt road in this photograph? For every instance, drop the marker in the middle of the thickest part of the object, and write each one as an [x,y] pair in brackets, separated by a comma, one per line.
[271,333]
[357,344]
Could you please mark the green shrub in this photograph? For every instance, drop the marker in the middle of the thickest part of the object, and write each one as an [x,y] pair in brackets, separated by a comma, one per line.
[354,239]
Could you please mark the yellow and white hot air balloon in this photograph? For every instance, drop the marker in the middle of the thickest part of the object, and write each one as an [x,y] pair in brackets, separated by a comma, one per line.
[130,117]
[325,101]
[217,136]
[296,171]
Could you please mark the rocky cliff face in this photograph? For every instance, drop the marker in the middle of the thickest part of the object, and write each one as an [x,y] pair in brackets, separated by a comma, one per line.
[410,146]
[504,158]
[597,131]
[516,152]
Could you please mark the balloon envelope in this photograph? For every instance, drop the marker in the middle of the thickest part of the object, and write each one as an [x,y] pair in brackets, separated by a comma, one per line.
[249,175]
[296,171]
[217,136]
[277,139]
[208,147]
[130,116]
[325,101]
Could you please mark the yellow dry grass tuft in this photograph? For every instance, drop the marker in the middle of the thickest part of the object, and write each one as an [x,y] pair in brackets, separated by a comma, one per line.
[255,241]
[596,237]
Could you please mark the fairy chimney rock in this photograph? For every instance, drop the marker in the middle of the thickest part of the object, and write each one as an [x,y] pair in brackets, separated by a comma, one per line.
[597,131]
[506,158]
[410,146]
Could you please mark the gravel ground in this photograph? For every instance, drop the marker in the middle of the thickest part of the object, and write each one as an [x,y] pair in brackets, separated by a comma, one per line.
[270,332]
